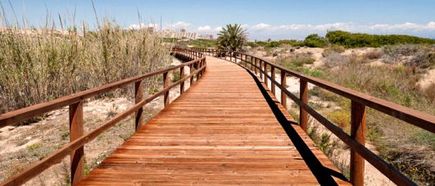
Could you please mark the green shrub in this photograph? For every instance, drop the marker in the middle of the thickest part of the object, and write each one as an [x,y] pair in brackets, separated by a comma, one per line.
[274,44]
[341,118]
[203,43]
[315,40]
[175,76]
[295,61]
[353,40]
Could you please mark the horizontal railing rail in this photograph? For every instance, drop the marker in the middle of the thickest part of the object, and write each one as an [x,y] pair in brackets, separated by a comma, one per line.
[75,102]
[359,101]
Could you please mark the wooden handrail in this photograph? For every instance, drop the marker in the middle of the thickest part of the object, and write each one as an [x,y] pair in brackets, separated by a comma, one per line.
[359,100]
[13,117]
[75,101]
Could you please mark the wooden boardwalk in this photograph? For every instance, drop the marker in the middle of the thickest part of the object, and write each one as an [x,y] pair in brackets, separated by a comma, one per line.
[221,131]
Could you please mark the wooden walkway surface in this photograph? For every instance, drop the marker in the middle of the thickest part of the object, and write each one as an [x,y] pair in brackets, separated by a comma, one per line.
[221,131]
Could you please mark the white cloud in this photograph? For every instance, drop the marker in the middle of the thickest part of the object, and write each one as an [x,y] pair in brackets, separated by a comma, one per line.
[142,25]
[180,24]
[205,28]
[299,31]
[261,26]
[245,26]
[346,26]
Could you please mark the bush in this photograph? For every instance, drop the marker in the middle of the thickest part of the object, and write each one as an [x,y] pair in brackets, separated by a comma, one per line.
[302,58]
[296,60]
[353,40]
[401,50]
[341,118]
[423,59]
[333,49]
[421,56]
[430,92]
[335,59]
[374,54]
[203,43]
[274,44]
[315,40]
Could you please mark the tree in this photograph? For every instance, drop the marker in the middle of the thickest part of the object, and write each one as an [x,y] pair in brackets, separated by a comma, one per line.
[232,38]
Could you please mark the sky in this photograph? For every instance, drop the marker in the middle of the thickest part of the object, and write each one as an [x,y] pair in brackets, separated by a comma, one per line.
[262,19]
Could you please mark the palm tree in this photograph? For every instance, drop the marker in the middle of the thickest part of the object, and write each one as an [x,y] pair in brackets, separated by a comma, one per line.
[232,38]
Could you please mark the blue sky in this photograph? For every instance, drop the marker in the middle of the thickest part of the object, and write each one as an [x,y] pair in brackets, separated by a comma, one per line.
[291,19]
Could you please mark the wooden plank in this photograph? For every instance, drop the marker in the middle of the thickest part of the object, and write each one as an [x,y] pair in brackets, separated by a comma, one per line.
[221,131]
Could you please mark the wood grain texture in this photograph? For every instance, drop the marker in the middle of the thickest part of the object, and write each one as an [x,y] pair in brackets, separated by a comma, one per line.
[219,132]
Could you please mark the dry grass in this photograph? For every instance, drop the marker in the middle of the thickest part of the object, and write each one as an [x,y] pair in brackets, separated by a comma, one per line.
[39,65]
[374,54]
[295,60]
[333,49]
[430,92]
[391,136]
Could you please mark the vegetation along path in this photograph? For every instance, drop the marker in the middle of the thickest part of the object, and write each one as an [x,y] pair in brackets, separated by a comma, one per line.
[224,130]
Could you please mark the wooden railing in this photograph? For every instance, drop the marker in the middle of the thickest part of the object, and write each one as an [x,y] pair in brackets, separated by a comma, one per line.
[75,102]
[359,102]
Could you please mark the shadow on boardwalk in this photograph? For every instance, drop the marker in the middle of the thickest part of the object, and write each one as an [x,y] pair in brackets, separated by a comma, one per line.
[324,175]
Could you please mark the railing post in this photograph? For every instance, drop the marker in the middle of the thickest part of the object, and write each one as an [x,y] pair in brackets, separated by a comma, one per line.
[256,67]
[260,65]
[272,81]
[76,131]
[181,77]
[204,62]
[191,77]
[138,97]
[165,84]
[265,73]
[251,63]
[357,132]
[198,66]
[283,84]
[303,115]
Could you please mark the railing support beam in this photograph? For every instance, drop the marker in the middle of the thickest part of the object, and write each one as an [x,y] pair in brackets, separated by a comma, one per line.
[358,127]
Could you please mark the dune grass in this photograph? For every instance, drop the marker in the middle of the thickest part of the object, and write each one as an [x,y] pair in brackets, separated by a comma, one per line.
[37,65]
